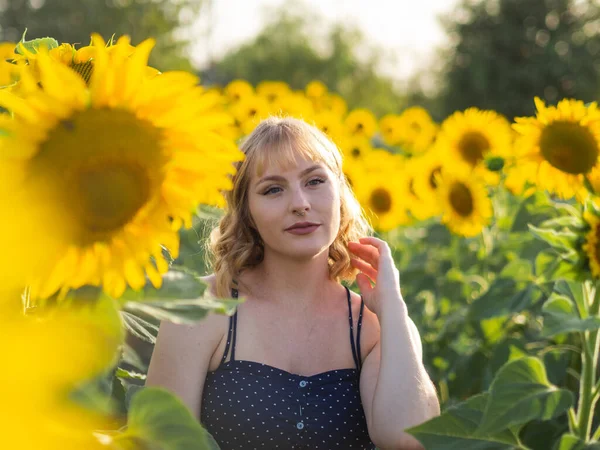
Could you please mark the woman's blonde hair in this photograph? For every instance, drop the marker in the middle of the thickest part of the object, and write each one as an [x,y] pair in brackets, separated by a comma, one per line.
[235,244]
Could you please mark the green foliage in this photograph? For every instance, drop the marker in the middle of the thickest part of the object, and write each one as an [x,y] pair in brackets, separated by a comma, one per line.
[291,49]
[520,48]
[72,21]
[157,419]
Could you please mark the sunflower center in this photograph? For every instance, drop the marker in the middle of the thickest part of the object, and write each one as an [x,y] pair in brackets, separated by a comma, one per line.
[569,147]
[355,152]
[473,146]
[461,199]
[100,180]
[381,200]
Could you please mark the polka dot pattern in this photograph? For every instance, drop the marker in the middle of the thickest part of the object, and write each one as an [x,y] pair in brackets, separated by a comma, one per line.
[247,404]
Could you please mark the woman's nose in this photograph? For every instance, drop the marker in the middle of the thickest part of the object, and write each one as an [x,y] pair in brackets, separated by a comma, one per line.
[299,200]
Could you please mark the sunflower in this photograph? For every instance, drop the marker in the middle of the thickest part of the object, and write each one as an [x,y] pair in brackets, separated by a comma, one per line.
[330,124]
[71,347]
[559,146]
[249,110]
[591,247]
[361,123]
[421,207]
[238,89]
[384,201]
[415,129]
[337,104]
[468,138]
[466,207]
[294,104]
[273,90]
[316,89]
[124,161]
[356,149]
[388,125]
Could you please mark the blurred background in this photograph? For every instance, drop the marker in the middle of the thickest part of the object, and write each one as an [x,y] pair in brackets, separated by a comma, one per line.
[445,55]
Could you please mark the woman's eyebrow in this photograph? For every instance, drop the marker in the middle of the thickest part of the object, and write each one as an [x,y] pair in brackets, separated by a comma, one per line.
[280,178]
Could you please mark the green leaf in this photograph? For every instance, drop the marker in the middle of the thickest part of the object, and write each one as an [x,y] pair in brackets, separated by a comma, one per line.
[551,266]
[519,393]
[129,374]
[572,442]
[502,299]
[159,420]
[561,316]
[455,429]
[563,240]
[519,269]
[140,328]
[182,311]
[34,45]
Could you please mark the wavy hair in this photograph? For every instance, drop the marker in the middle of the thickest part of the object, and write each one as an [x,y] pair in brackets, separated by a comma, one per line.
[235,244]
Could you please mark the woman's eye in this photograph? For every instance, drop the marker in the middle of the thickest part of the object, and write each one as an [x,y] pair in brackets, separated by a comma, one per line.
[272,190]
[316,181]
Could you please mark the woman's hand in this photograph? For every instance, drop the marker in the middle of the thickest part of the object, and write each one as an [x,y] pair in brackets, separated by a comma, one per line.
[375,263]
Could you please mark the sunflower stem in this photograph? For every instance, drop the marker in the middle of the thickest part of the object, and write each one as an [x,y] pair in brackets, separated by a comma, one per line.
[589,358]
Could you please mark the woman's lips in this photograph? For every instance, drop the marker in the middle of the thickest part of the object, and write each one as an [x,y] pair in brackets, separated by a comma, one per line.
[303,230]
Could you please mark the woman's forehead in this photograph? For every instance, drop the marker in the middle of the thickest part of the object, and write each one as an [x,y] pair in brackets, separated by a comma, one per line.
[300,163]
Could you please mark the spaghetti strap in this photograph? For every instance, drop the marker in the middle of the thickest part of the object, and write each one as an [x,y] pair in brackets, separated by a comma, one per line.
[354,353]
[358,327]
[231,334]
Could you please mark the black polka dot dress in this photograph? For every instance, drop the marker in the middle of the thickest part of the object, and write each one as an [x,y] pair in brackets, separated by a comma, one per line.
[246,404]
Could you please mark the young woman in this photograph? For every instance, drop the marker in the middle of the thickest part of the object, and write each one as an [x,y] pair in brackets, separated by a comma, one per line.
[304,362]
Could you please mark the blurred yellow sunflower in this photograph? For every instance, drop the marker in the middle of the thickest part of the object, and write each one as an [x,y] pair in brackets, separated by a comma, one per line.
[390,131]
[337,104]
[316,89]
[466,206]
[249,111]
[384,201]
[51,355]
[416,130]
[294,104]
[559,146]
[591,247]
[331,124]
[361,123]
[272,91]
[124,163]
[356,148]
[469,137]
[421,207]
[238,89]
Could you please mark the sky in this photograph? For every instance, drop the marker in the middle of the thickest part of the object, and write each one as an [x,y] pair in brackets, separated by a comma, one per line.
[408,31]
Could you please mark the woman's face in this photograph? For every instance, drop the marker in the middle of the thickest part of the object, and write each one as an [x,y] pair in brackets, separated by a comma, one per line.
[276,196]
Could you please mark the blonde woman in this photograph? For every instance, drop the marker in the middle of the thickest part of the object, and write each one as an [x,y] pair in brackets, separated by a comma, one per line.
[304,362]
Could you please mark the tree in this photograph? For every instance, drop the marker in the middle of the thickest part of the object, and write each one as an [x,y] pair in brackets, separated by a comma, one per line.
[507,52]
[290,49]
[73,21]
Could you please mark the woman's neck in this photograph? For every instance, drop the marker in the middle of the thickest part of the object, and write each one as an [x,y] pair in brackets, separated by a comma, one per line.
[304,283]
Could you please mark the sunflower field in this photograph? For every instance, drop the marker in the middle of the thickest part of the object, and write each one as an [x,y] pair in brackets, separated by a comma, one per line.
[112,175]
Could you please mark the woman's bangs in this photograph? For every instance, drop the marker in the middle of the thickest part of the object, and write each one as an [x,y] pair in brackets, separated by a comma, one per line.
[286,152]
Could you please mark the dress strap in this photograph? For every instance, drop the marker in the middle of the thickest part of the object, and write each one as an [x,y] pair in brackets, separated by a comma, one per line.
[358,327]
[352,344]
[231,334]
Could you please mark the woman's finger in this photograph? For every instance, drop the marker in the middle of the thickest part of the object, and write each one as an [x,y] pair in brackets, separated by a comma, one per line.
[365,252]
[367,269]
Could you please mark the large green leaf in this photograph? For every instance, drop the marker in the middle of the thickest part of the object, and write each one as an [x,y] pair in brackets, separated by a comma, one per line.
[549,265]
[561,316]
[571,442]
[158,420]
[455,429]
[520,393]
[562,240]
[182,311]
[503,298]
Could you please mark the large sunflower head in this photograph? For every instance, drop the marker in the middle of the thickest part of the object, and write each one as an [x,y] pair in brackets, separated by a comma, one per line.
[469,137]
[559,146]
[8,72]
[124,161]
[591,247]
[272,91]
[466,207]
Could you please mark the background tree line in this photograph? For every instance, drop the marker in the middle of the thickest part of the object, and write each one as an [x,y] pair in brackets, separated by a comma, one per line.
[499,53]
